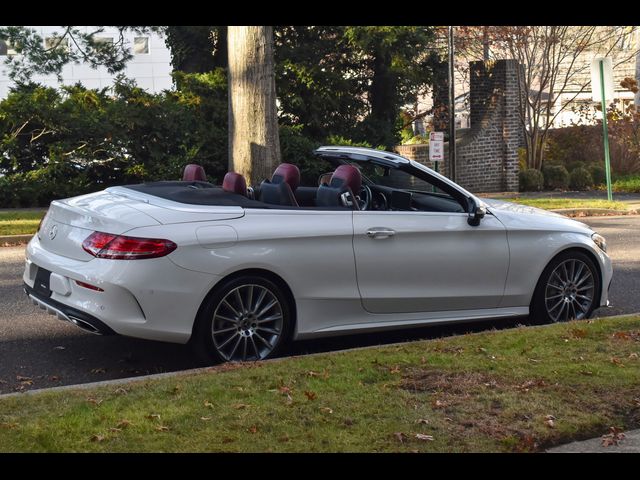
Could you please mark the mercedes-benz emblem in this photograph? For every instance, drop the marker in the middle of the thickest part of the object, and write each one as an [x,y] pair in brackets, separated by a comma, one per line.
[53,231]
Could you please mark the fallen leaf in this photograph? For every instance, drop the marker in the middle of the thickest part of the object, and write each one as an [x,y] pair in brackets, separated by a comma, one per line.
[617,361]
[310,395]
[240,406]
[95,401]
[153,416]
[284,390]
[423,421]
[124,423]
[176,389]
[400,436]
[121,391]
[613,438]
[205,419]
[550,421]
[326,410]
[633,355]
[162,428]
[426,438]
[54,378]
[253,429]
[439,404]
[423,360]
[115,429]
[20,378]
[578,333]
[98,370]
[208,404]
[313,374]
[97,438]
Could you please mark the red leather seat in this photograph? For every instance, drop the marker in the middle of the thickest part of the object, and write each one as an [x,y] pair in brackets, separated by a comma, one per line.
[194,173]
[235,183]
[284,182]
[346,180]
[347,176]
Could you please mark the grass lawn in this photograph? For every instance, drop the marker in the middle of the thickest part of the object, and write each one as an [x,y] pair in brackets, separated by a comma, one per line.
[556,203]
[20,222]
[522,389]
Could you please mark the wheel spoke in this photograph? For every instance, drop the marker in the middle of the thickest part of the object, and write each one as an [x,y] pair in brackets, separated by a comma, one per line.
[259,300]
[560,302]
[584,297]
[230,307]
[269,330]
[577,274]
[269,319]
[224,344]
[235,347]
[227,319]
[584,309]
[259,337]
[244,349]
[557,317]
[267,308]
[224,330]
[255,347]
[555,296]
[583,279]
[250,298]
[555,272]
[239,300]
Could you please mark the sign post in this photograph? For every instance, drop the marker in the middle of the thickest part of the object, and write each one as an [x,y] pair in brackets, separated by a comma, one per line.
[602,87]
[436,149]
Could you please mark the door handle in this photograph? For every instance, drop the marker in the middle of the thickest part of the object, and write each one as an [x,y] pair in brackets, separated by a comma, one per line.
[380,232]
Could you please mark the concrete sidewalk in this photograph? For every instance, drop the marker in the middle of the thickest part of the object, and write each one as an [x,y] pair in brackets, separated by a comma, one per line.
[629,444]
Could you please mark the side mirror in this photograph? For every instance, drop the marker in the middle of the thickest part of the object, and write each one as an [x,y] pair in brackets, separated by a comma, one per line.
[476,213]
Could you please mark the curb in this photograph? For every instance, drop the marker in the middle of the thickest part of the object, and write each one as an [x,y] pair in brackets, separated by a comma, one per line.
[13,240]
[221,367]
[592,212]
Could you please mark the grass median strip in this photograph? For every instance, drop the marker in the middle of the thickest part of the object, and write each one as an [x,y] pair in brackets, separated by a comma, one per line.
[20,222]
[523,389]
[558,203]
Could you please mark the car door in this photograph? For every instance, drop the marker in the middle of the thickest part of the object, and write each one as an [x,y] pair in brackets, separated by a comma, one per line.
[413,261]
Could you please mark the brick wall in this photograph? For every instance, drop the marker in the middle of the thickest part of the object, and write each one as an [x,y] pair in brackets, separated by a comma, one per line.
[487,153]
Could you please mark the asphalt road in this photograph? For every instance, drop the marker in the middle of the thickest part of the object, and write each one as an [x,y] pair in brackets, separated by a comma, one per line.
[38,351]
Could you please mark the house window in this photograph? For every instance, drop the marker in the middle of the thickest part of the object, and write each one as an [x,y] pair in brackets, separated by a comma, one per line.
[102,40]
[56,42]
[141,45]
[6,49]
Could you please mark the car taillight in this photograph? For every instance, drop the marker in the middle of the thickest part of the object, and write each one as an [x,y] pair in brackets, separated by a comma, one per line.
[120,247]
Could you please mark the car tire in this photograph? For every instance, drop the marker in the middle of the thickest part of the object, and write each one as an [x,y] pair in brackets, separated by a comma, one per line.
[569,288]
[246,318]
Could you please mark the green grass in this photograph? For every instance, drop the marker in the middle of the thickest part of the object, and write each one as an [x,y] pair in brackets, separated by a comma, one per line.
[20,222]
[557,203]
[627,184]
[522,389]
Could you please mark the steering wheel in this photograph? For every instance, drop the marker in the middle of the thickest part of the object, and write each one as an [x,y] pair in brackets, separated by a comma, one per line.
[364,197]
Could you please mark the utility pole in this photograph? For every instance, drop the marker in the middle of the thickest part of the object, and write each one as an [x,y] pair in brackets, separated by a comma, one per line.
[452,111]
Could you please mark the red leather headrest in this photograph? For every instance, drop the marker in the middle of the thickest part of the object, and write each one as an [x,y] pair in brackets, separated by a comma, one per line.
[350,177]
[194,173]
[287,173]
[234,182]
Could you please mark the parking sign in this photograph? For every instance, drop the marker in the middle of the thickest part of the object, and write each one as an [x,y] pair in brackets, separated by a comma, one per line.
[436,146]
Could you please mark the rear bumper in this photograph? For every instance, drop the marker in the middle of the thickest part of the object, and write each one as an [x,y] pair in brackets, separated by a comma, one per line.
[64,312]
[152,299]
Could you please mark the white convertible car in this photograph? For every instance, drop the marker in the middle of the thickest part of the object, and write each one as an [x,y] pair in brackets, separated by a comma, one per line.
[379,242]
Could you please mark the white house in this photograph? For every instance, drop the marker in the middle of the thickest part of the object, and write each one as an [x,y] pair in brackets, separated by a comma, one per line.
[150,66]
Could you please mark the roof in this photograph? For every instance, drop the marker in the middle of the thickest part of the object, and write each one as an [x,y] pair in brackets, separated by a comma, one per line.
[364,153]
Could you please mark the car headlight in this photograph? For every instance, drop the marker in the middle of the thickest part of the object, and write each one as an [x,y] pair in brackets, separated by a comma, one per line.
[599,241]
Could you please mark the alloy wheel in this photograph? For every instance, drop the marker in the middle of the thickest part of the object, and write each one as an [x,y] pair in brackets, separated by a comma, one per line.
[247,323]
[570,291]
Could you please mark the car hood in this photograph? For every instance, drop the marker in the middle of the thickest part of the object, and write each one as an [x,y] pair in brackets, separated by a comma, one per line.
[519,216]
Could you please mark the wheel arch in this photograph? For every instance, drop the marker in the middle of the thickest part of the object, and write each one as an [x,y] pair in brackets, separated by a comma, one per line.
[261,272]
[564,251]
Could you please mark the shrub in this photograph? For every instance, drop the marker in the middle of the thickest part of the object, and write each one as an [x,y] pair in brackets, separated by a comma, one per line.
[627,184]
[531,180]
[580,179]
[598,174]
[555,177]
[571,166]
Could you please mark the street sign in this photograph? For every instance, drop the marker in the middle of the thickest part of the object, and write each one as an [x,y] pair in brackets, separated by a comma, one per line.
[596,84]
[436,146]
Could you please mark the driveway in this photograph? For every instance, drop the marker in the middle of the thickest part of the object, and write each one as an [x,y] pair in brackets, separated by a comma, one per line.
[38,351]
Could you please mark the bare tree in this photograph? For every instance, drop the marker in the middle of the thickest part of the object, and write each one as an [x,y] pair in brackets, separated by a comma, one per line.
[254,145]
[556,65]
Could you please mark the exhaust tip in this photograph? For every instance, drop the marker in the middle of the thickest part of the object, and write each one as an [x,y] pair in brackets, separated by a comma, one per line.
[84,325]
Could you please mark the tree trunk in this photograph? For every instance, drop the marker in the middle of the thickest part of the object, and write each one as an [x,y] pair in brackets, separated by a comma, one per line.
[383,107]
[254,144]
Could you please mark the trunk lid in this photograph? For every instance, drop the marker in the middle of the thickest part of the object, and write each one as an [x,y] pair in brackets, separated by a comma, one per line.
[69,222]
